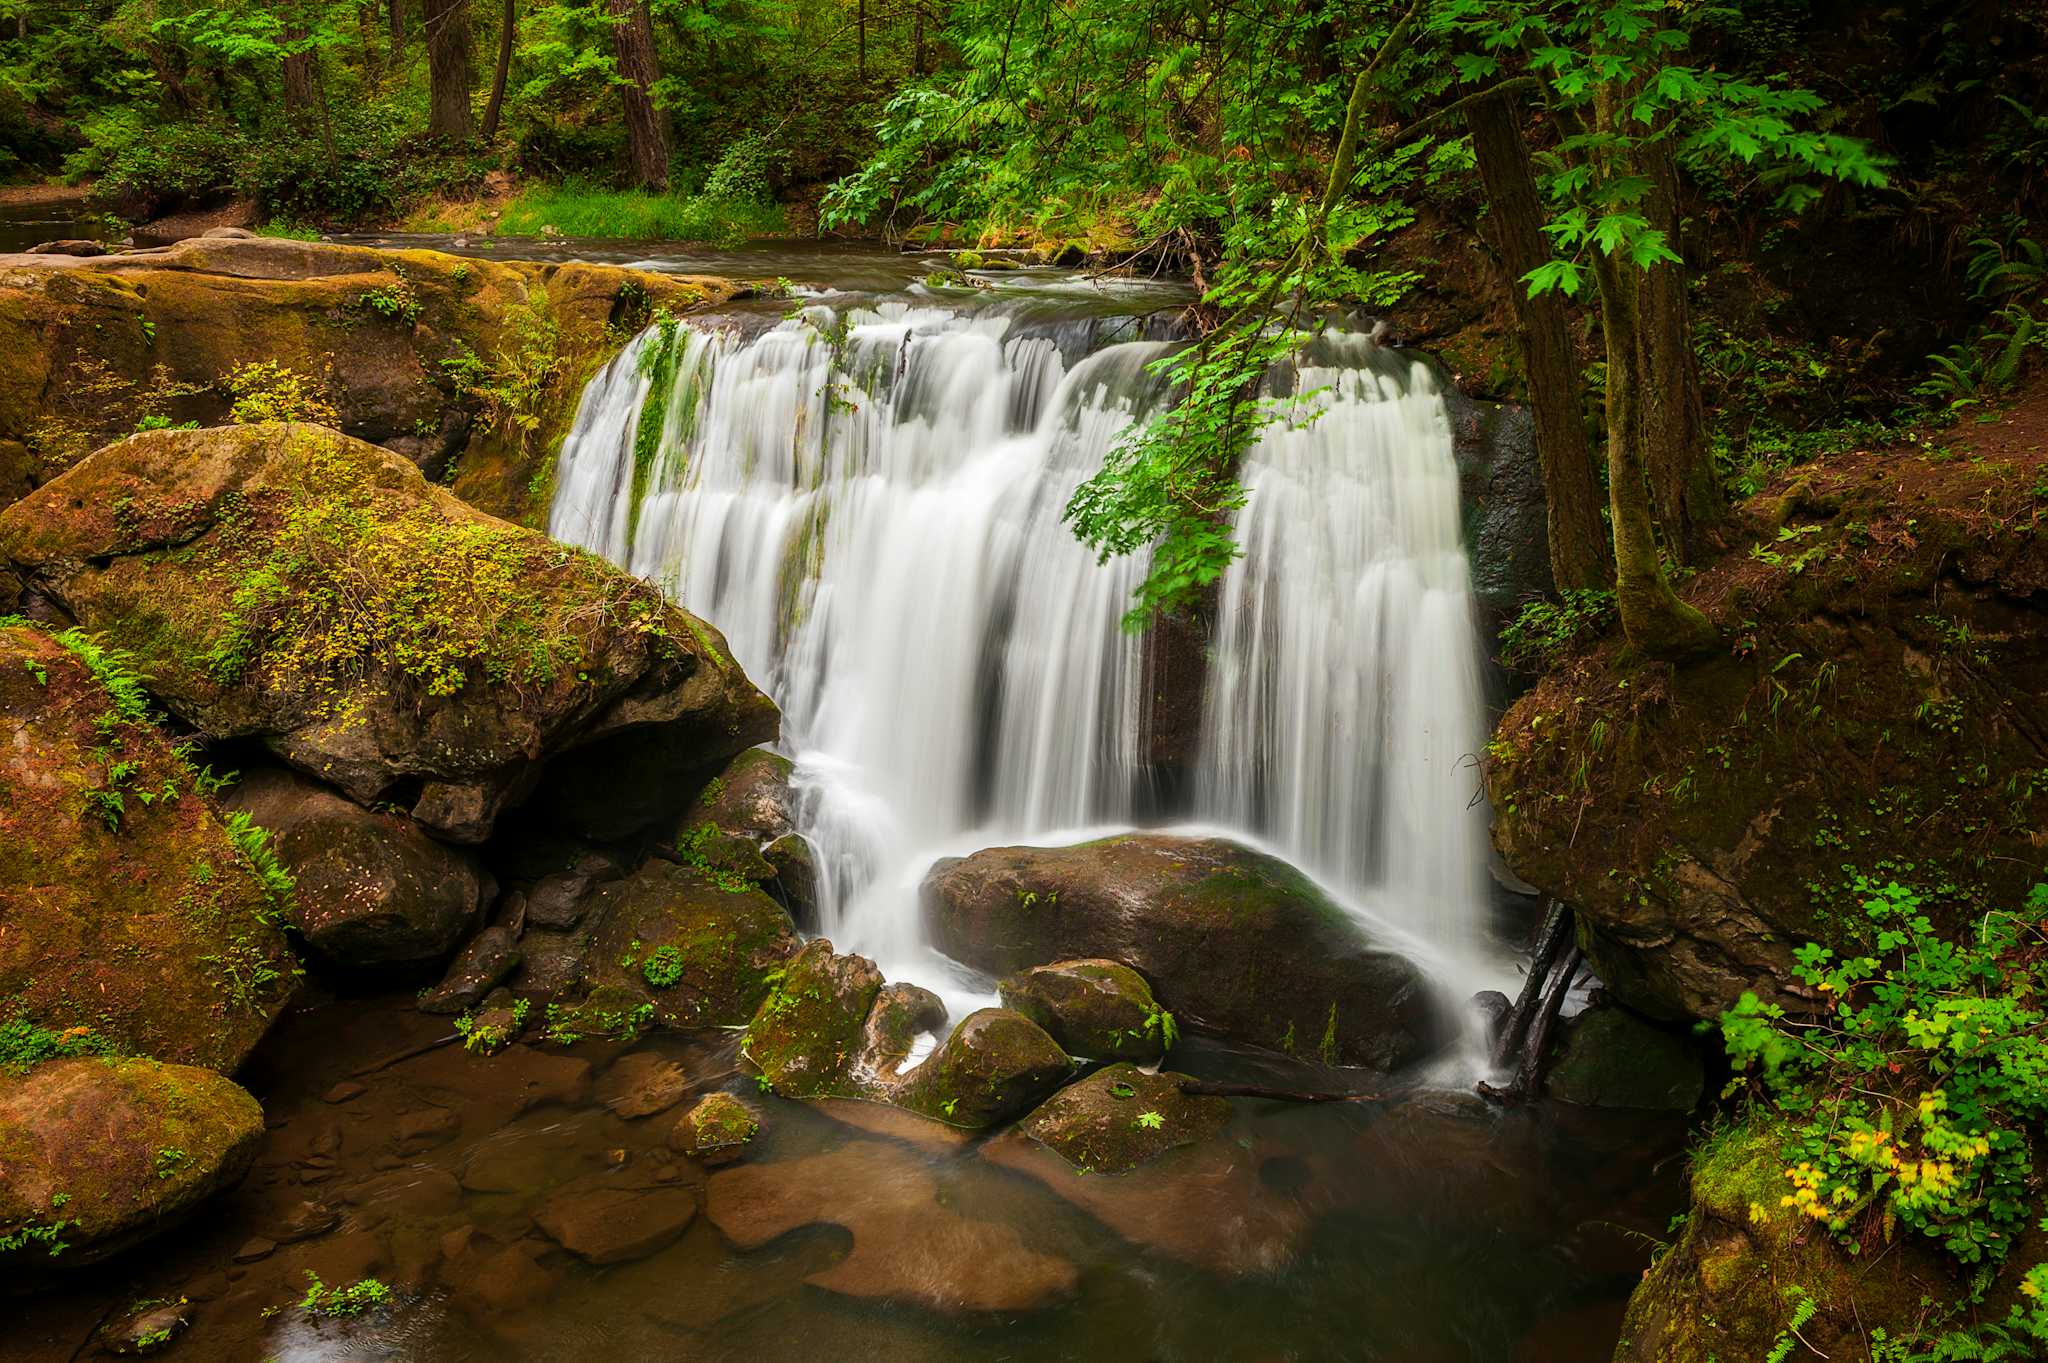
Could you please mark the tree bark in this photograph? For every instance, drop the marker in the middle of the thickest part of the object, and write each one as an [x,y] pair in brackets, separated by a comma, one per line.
[397,33]
[1685,488]
[508,28]
[646,133]
[1578,541]
[447,25]
[300,96]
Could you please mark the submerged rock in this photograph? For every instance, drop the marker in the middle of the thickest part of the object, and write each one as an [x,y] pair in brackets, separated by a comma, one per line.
[373,890]
[1232,940]
[807,1035]
[716,1131]
[99,1155]
[1121,1117]
[131,914]
[603,1222]
[1609,1057]
[427,653]
[996,1065]
[1097,1010]
[642,1084]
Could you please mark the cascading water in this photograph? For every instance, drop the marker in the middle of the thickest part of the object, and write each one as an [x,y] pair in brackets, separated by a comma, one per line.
[867,501]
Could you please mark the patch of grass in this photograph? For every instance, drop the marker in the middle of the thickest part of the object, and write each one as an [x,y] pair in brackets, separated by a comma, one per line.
[293,231]
[578,209]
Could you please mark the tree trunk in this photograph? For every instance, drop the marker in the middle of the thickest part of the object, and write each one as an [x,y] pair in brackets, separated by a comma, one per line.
[397,33]
[1684,485]
[300,96]
[1654,620]
[447,25]
[646,135]
[508,28]
[1578,541]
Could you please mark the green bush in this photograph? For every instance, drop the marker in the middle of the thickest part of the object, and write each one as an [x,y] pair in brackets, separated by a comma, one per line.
[1538,638]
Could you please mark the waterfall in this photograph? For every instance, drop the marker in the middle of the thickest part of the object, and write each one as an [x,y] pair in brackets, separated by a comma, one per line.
[867,501]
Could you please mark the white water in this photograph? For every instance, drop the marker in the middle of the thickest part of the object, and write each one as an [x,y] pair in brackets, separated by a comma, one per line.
[868,505]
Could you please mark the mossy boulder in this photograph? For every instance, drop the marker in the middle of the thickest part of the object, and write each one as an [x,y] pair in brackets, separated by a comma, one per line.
[1097,1010]
[130,915]
[694,953]
[97,1155]
[285,583]
[1233,941]
[716,1130]
[807,1036]
[995,1066]
[1727,1288]
[372,890]
[1609,1057]
[1121,1117]
[1887,653]
[749,798]
[405,347]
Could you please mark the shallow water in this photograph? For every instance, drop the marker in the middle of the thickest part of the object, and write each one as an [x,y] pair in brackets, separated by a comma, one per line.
[1424,1227]
[23,225]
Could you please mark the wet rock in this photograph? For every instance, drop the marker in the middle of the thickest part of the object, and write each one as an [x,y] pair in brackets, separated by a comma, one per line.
[806,1037]
[347,1091]
[496,1278]
[716,1130]
[425,1128]
[67,246]
[908,1246]
[429,693]
[552,962]
[537,1078]
[1493,1008]
[99,1155]
[796,877]
[1097,1010]
[642,1084]
[882,1119]
[996,1065]
[302,1220]
[254,1249]
[749,799]
[603,1223]
[486,962]
[901,1014]
[373,890]
[556,902]
[1232,941]
[417,1194]
[1609,1057]
[1121,1117]
[134,922]
[148,1331]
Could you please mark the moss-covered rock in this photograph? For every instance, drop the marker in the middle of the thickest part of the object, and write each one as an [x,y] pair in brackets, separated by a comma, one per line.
[671,939]
[995,1066]
[1232,940]
[1731,1284]
[749,798]
[807,1036]
[1609,1057]
[372,890]
[716,1130]
[1121,1117]
[1097,1010]
[469,368]
[131,915]
[97,1155]
[286,583]
[1887,655]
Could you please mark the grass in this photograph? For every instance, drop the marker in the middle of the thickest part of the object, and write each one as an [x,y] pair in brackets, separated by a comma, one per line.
[578,209]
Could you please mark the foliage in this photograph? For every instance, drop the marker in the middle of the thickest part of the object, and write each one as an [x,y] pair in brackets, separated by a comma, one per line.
[577,208]
[1915,1097]
[45,1235]
[1543,632]
[269,390]
[25,1044]
[253,842]
[662,968]
[322,1302]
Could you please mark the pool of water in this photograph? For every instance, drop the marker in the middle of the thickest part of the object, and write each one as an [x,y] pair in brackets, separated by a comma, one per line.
[38,220]
[1423,1227]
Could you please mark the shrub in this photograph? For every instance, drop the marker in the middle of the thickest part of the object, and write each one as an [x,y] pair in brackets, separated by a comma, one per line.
[1537,639]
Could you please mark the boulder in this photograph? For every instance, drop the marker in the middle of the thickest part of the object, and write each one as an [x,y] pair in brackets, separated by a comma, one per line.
[374,890]
[1609,1057]
[1097,1010]
[807,1035]
[642,1084]
[901,1014]
[749,798]
[1233,941]
[796,877]
[486,962]
[131,914]
[97,1155]
[602,1221]
[557,902]
[1121,1117]
[426,654]
[68,246]
[996,1065]
[716,1130]
[671,939]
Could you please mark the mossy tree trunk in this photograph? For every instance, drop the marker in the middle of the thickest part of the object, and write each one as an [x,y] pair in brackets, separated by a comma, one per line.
[397,34]
[646,129]
[508,31]
[448,51]
[1684,486]
[1579,555]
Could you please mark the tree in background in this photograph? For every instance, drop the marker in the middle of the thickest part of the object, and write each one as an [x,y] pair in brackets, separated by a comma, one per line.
[637,74]
[448,59]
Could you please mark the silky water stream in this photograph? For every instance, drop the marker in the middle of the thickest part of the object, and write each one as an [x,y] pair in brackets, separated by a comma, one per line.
[866,498]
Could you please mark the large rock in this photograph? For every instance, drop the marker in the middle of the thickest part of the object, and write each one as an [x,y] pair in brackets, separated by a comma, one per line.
[129,913]
[1097,1010]
[1121,1117]
[603,1220]
[372,889]
[1609,1057]
[1233,941]
[807,1035]
[285,583]
[98,1155]
[996,1065]
[1885,669]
